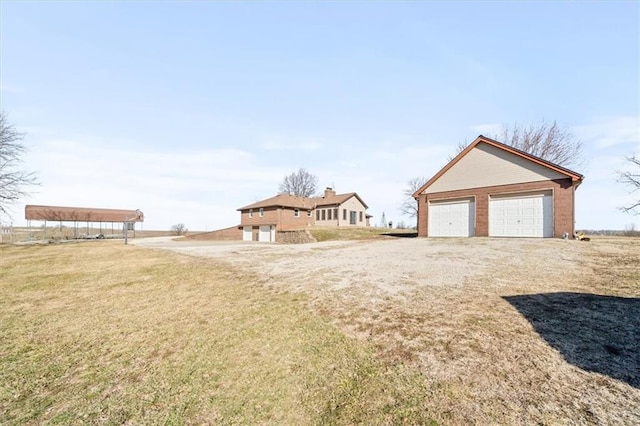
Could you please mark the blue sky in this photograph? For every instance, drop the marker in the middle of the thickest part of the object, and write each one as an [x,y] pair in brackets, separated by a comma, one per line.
[189,110]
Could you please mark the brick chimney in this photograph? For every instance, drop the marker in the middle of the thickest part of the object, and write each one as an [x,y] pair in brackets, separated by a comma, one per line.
[329,192]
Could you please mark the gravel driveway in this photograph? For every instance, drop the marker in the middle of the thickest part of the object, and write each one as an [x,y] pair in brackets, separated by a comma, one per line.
[521,327]
[390,267]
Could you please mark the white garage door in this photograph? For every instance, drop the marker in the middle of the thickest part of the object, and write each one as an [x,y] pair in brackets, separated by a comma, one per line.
[522,215]
[452,218]
[265,233]
[247,233]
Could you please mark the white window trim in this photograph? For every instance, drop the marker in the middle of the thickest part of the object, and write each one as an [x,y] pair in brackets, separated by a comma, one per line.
[261,212]
[250,212]
[296,212]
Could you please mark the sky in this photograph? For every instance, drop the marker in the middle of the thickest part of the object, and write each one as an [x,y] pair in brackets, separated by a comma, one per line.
[190,110]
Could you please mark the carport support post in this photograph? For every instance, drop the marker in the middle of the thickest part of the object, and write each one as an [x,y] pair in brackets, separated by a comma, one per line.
[126,231]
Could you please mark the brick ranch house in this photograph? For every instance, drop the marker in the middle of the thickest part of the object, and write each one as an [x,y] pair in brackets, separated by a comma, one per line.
[492,189]
[260,221]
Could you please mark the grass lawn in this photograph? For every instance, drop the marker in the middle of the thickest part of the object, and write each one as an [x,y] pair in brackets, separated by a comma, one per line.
[359,233]
[100,332]
[392,331]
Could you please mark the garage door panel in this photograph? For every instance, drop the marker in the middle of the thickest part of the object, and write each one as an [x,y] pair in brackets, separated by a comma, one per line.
[265,233]
[454,218]
[247,233]
[523,215]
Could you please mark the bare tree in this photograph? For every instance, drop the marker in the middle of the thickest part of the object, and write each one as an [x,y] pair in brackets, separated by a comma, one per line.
[410,206]
[461,146]
[301,183]
[13,180]
[632,179]
[179,229]
[547,141]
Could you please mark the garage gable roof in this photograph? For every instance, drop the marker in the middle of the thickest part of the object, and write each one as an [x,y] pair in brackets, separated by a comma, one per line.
[544,167]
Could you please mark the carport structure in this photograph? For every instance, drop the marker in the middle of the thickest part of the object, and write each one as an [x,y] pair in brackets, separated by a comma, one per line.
[84,215]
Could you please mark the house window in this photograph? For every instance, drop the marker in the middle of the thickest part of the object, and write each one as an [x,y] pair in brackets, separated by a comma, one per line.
[309,213]
[324,214]
[296,213]
[344,214]
[250,212]
[360,216]
[261,212]
[329,214]
[335,214]
[317,214]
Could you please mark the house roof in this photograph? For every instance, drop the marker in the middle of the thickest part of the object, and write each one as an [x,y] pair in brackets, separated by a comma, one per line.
[282,200]
[576,178]
[337,199]
[303,203]
[81,214]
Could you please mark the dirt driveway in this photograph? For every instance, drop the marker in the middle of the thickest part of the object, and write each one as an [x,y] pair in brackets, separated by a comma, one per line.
[396,267]
[520,330]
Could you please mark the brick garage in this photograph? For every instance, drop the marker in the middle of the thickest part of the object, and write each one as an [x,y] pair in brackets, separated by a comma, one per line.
[491,189]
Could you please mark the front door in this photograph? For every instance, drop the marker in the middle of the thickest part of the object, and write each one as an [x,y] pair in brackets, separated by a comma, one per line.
[352,217]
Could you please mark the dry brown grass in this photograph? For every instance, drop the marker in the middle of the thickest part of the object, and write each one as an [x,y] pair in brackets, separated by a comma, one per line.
[521,343]
[359,233]
[99,332]
[497,332]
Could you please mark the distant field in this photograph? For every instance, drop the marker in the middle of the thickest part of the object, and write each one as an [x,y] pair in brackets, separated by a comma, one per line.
[67,233]
[370,331]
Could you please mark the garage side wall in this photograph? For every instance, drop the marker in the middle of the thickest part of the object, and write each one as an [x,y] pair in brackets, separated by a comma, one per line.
[563,204]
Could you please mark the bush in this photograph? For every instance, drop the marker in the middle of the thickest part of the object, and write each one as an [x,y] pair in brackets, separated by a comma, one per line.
[179,229]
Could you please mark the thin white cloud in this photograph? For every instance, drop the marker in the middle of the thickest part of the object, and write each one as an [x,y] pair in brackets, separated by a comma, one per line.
[200,188]
[611,131]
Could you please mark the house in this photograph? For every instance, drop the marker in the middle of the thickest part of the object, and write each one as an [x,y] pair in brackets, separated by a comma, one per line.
[492,189]
[260,221]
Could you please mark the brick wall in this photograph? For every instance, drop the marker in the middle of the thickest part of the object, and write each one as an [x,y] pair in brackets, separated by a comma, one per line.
[563,204]
[283,217]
